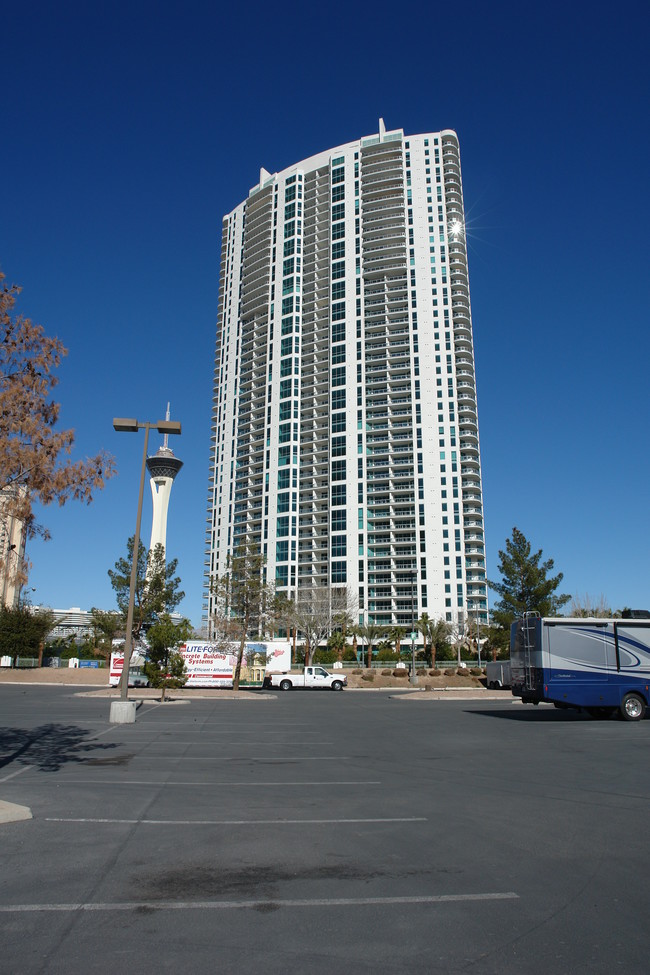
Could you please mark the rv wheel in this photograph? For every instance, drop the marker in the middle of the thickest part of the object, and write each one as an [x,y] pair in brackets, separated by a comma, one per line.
[632,707]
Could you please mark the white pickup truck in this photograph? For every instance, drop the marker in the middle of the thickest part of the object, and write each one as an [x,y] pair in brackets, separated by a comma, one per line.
[311,677]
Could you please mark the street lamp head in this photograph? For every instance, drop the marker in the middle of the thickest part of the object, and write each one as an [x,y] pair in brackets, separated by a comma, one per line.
[128,425]
[123,425]
[168,426]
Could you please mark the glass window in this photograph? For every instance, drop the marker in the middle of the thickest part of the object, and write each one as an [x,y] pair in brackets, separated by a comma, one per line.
[338,193]
[339,546]
[338,494]
[338,353]
[338,376]
[338,422]
[339,572]
[338,331]
[338,399]
[338,213]
[338,250]
[338,446]
[281,551]
[338,470]
[283,479]
[338,175]
[338,290]
[339,520]
[282,527]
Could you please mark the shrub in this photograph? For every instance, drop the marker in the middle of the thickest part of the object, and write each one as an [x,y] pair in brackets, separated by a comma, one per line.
[435,673]
[400,672]
[476,672]
[357,671]
[369,675]
[450,673]
[462,671]
[386,673]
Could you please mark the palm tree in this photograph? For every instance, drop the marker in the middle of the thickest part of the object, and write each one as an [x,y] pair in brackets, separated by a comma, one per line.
[397,634]
[370,633]
[424,625]
[439,635]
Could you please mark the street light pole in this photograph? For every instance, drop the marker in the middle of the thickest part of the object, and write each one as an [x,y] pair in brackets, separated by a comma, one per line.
[414,676]
[124,711]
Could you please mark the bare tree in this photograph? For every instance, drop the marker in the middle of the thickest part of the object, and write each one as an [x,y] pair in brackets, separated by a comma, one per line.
[318,610]
[597,608]
[245,600]
[34,458]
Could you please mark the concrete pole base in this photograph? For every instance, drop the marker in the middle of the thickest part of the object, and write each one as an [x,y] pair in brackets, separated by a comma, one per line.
[122,712]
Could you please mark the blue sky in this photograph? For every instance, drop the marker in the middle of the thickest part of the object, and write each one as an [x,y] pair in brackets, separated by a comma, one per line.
[131,128]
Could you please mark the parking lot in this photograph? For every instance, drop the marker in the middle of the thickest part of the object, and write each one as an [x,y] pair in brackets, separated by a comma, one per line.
[322,833]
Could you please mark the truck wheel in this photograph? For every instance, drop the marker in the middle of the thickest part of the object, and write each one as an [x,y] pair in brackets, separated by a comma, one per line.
[337,685]
[632,707]
[285,685]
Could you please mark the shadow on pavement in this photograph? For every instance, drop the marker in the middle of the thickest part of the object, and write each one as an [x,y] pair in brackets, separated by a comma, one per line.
[533,714]
[50,747]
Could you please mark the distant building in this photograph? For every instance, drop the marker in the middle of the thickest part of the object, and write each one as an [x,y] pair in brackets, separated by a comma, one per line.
[77,623]
[73,622]
[163,468]
[12,550]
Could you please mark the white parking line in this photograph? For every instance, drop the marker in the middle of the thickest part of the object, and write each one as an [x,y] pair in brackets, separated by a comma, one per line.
[239,905]
[13,775]
[210,785]
[232,822]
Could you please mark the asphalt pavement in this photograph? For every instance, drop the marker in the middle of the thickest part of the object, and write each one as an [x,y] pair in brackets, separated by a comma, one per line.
[320,833]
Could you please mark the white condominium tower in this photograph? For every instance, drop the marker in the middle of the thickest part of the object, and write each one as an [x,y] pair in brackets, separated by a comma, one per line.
[345,430]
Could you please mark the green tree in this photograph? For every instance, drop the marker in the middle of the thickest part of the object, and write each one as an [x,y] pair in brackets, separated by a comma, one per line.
[371,634]
[526,585]
[23,632]
[165,666]
[396,634]
[336,642]
[105,628]
[245,601]
[156,586]
[424,625]
[439,633]
[497,642]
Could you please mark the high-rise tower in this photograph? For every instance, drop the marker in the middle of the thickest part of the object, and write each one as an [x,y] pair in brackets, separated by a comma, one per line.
[163,468]
[345,428]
